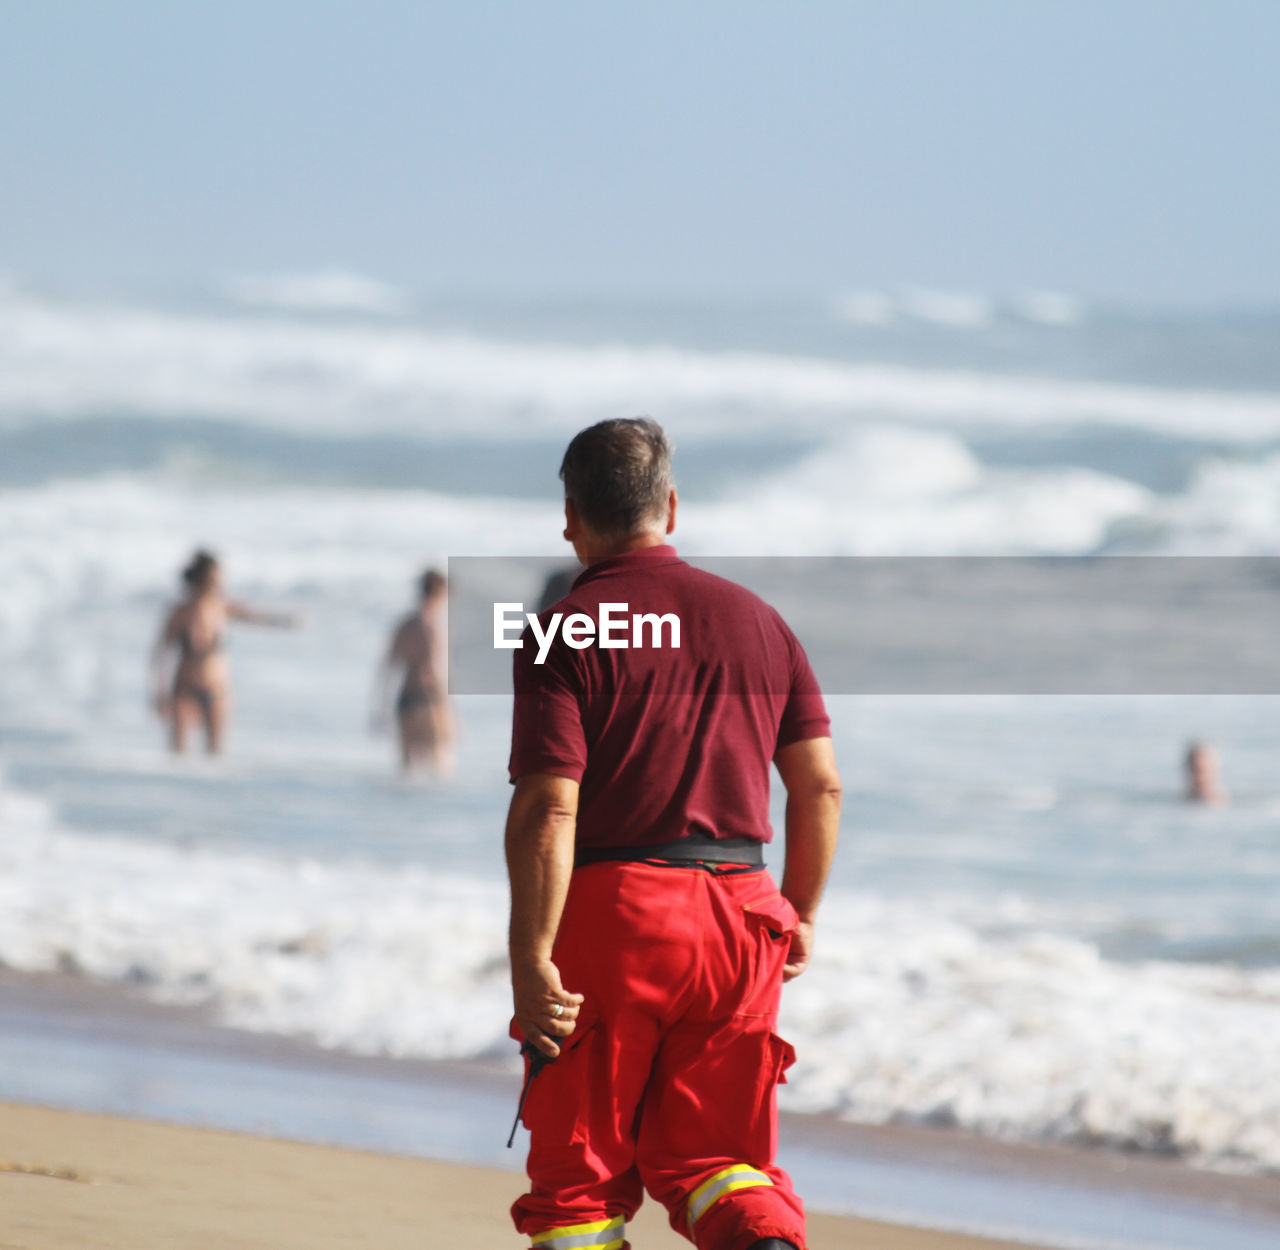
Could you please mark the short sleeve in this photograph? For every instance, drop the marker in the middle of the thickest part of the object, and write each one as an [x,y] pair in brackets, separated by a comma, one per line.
[805,713]
[546,724]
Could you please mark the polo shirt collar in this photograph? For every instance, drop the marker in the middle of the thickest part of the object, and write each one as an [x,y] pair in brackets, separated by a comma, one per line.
[641,557]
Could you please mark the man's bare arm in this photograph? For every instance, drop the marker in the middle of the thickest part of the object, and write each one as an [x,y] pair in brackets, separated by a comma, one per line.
[539,841]
[808,770]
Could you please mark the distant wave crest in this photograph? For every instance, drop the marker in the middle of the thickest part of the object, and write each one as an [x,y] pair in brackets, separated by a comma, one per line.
[328,290]
[60,358]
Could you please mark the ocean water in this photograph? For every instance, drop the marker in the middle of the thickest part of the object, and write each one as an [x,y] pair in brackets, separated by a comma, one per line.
[1027,934]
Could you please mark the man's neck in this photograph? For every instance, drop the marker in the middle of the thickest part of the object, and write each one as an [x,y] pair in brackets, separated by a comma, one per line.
[605,549]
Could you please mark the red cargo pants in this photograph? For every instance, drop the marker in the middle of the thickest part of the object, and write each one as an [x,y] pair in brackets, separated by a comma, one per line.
[668,1082]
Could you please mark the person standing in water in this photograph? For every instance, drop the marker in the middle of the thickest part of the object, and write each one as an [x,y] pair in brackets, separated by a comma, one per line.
[1203,769]
[189,679]
[417,652]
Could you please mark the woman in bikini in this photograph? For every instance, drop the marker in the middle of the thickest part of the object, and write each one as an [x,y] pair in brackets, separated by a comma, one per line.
[198,689]
[417,655]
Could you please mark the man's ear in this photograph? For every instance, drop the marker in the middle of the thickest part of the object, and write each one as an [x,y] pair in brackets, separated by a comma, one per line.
[671,510]
[572,522]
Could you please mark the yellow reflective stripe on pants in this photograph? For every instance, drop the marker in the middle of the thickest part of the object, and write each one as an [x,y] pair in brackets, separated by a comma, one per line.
[739,1176]
[601,1235]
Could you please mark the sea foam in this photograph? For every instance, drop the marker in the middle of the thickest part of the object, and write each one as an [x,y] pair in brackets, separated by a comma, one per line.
[907,1013]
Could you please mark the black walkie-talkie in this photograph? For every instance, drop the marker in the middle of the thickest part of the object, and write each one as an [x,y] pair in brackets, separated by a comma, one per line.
[538,1059]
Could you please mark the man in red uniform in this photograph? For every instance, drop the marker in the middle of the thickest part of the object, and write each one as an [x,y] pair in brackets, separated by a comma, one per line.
[648,942]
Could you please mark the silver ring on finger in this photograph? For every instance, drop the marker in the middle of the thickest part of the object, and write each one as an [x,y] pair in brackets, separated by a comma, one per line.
[557,1010]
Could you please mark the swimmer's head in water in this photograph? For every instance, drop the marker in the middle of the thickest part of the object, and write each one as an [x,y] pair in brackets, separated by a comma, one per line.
[1201,755]
[1203,767]
[431,585]
[201,572]
[617,474]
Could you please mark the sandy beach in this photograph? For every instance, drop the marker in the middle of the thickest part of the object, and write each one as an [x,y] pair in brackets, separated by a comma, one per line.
[127,1123]
[70,1181]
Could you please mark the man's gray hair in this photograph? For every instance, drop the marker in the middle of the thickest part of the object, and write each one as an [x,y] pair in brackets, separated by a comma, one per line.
[617,474]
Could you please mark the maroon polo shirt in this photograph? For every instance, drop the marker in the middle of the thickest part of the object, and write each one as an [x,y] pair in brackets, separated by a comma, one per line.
[665,742]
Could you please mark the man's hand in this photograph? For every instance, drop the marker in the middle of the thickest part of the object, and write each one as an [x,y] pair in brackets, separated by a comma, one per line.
[540,829]
[801,950]
[808,770]
[538,992]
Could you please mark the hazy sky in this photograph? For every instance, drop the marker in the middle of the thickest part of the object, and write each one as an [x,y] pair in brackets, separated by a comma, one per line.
[1116,148]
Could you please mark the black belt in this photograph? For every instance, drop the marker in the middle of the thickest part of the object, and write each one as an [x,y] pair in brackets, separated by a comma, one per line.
[696,848]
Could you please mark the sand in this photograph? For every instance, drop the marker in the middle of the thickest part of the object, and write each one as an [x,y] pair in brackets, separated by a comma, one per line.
[70,1181]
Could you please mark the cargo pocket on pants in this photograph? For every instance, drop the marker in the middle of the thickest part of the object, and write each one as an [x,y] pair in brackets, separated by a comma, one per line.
[770,922]
[775,1057]
[559,1101]
[782,1056]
